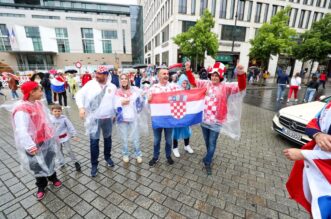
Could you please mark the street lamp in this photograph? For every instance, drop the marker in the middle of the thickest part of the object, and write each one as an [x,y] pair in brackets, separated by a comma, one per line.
[235,25]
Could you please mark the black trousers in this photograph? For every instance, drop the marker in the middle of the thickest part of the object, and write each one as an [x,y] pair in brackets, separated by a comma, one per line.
[186,142]
[64,96]
[41,182]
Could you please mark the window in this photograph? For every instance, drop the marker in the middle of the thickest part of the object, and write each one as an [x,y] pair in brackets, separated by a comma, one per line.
[124,47]
[295,13]
[258,12]
[87,39]
[223,9]
[46,17]
[203,6]
[107,36]
[230,33]
[266,13]
[157,40]
[33,33]
[315,17]
[241,10]
[318,3]
[11,15]
[186,25]
[232,9]
[62,40]
[308,19]
[107,20]
[165,34]
[213,7]
[249,13]
[193,5]
[302,17]
[79,18]
[182,6]
[305,2]
[274,10]
[124,21]
[165,58]
[4,38]
[157,59]
[329,4]
[312,2]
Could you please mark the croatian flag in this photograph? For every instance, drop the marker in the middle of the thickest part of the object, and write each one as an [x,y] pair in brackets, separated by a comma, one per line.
[310,181]
[57,85]
[177,108]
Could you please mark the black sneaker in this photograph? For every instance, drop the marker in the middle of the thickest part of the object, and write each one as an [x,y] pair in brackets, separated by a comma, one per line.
[170,161]
[208,169]
[94,171]
[110,163]
[153,162]
[77,165]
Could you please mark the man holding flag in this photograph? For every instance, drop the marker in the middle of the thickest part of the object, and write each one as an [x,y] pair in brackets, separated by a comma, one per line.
[310,178]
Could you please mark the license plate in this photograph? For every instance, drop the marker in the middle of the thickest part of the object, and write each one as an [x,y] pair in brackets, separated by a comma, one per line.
[291,134]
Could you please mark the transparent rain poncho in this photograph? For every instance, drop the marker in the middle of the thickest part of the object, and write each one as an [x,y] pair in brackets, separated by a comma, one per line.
[32,127]
[223,107]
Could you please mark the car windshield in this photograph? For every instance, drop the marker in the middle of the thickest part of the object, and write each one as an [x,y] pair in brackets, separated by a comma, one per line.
[326,99]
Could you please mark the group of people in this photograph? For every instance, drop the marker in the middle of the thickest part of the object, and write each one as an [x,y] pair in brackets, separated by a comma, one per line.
[41,137]
[294,85]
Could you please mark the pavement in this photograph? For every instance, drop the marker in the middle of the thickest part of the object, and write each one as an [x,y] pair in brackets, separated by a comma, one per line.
[248,178]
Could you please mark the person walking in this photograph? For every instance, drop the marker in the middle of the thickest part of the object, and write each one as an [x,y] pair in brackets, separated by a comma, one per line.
[216,106]
[162,86]
[96,105]
[282,81]
[312,88]
[86,78]
[323,79]
[294,87]
[13,86]
[46,85]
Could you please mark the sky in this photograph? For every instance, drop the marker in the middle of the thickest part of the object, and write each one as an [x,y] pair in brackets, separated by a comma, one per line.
[122,2]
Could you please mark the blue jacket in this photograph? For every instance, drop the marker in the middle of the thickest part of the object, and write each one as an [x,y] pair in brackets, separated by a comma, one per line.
[283,79]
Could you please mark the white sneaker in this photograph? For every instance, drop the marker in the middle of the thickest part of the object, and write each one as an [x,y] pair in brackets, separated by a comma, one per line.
[296,100]
[188,149]
[125,159]
[288,100]
[176,152]
[139,159]
[68,107]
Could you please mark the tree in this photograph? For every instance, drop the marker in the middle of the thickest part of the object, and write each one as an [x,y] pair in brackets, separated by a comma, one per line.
[199,39]
[316,42]
[273,38]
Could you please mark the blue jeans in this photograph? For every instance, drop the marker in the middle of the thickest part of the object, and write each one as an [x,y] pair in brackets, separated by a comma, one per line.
[127,131]
[157,141]
[14,94]
[310,94]
[106,126]
[210,136]
[281,91]
[48,94]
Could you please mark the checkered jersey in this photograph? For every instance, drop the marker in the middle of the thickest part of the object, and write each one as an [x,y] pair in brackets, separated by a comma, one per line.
[210,109]
[158,88]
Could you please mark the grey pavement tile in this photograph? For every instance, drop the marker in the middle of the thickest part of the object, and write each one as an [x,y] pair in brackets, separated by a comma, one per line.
[205,216]
[11,181]
[93,185]
[72,200]
[158,197]
[222,214]
[79,189]
[254,215]
[143,190]
[82,208]
[143,201]
[6,198]
[100,203]
[94,213]
[236,210]
[170,192]
[203,207]
[28,201]
[117,187]
[198,195]
[183,188]
[175,215]
[47,215]
[141,213]
[278,207]
[158,209]
[115,198]
[55,205]
[156,186]
[63,192]
[125,216]
[88,195]
[65,212]
[36,209]
[11,208]
[144,181]
[128,206]
[131,184]
[172,204]
[189,212]
[266,211]
[188,200]
[130,194]
[299,214]
[111,211]
[216,202]
[168,183]
[3,190]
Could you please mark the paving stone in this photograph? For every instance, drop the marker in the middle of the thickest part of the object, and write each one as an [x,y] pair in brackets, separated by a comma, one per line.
[170,192]
[158,209]
[55,205]
[47,215]
[127,206]
[79,189]
[88,195]
[18,213]
[158,197]
[93,214]
[143,190]
[174,215]
[125,216]
[222,214]
[143,201]
[65,212]
[142,213]
[100,203]
[36,210]
[172,204]
[130,194]
[6,198]
[72,200]
[188,200]
[115,198]
[11,208]
[82,208]
[111,211]
[203,207]
[189,212]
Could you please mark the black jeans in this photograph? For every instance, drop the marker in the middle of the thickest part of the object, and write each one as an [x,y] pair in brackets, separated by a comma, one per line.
[64,95]
[186,142]
[41,182]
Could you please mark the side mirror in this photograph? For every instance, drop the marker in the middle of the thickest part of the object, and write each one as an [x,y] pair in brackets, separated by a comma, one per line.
[321,97]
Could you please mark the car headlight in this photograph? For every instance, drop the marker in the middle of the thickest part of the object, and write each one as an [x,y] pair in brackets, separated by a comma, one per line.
[278,114]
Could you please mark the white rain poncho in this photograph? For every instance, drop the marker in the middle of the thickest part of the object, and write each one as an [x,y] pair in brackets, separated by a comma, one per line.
[98,103]
[32,127]
[223,106]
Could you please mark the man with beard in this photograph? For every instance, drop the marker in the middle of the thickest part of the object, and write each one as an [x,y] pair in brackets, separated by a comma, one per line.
[95,103]
[163,86]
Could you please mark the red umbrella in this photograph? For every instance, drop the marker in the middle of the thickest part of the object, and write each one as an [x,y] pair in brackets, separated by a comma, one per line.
[177,65]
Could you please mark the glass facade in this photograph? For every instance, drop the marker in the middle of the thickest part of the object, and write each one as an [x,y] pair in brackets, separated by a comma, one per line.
[230,32]
[87,39]
[223,9]
[137,39]
[4,38]
[33,33]
[241,10]
[302,17]
[186,25]
[249,13]
[203,6]
[165,34]
[258,12]
[62,40]
[182,6]
[213,7]
[193,5]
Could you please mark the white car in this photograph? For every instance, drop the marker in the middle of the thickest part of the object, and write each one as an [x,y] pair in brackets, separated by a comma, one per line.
[291,121]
